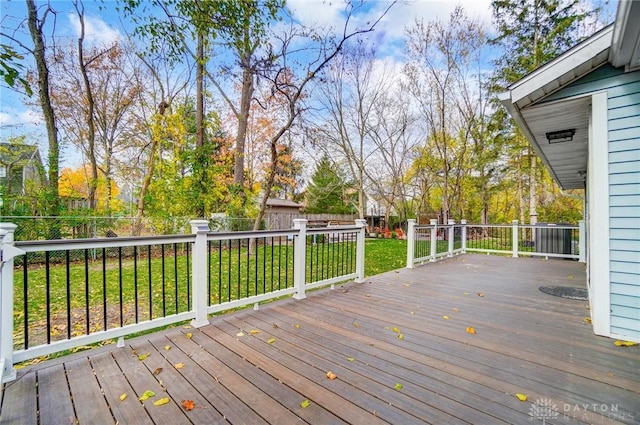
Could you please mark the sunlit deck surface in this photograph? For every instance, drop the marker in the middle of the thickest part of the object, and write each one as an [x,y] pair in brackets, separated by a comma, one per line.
[526,342]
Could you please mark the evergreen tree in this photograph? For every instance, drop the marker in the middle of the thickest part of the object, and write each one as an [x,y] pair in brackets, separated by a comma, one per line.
[327,190]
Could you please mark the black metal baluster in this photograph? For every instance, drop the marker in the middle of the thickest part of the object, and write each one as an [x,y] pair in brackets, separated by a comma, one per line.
[164,282]
[104,289]
[188,277]
[120,285]
[135,280]
[175,276]
[86,289]
[229,253]
[25,289]
[48,293]
[150,282]
[220,272]
[68,283]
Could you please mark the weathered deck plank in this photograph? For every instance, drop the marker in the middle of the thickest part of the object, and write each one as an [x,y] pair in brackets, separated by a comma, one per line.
[526,342]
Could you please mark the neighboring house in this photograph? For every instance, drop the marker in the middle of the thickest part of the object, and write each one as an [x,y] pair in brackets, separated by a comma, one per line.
[581,113]
[20,165]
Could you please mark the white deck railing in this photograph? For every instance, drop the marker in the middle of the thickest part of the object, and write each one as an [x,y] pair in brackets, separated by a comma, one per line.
[430,242]
[171,279]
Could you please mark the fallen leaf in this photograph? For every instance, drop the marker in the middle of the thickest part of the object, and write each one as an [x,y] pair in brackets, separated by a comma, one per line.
[240,333]
[143,356]
[178,365]
[305,404]
[167,347]
[147,394]
[398,386]
[255,331]
[413,312]
[186,327]
[351,359]
[396,330]
[625,343]
[356,324]
[187,404]
[161,401]
[480,294]
[455,310]
[587,319]
[275,325]
[157,371]
[271,341]
[400,336]
[123,396]
[188,335]
[521,397]
[445,317]
[471,330]
[331,375]
[297,326]
[466,293]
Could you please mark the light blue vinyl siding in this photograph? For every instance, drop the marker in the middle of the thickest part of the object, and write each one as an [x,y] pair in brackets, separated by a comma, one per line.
[624,203]
[623,115]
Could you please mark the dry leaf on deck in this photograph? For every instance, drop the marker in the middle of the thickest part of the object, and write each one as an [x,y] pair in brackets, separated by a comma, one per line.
[240,333]
[625,343]
[587,319]
[480,294]
[255,331]
[305,404]
[179,365]
[400,336]
[351,359]
[331,375]
[271,340]
[521,397]
[471,330]
[123,396]
[161,401]
[143,356]
[147,394]
[187,404]
[188,335]
[167,347]
[157,371]
[398,386]
[445,317]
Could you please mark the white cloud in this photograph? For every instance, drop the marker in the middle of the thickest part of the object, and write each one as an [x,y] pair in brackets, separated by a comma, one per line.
[97,31]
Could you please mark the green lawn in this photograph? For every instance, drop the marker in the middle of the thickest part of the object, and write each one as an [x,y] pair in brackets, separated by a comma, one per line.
[383,255]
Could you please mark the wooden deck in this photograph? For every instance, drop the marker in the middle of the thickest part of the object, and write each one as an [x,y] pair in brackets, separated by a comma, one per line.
[436,372]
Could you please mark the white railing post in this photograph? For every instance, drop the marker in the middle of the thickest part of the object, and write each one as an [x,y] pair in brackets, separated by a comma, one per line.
[463,235]
[360,250]
[199,272]
[7,252]
[450,223]
[514,238]
[411,238]
[299,260]
[434,238]
[582,242]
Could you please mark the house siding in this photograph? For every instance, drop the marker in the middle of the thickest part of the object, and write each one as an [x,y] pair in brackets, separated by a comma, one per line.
[623,117]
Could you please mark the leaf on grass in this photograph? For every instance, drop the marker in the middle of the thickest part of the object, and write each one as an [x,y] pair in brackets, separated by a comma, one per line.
[167,347]
[625,343]
[161,401]
[143,356]
[306,403]
[271,340]
[255,331]
[188,335]
[351,359]
[123,396]
[587,319]
[147,394]
[240,333]
[445,317]
[157,371]
[521,397]
[480,294]
[178,365]
[331,375]
[400,336]
[187,404]
[398,386]
[471,330]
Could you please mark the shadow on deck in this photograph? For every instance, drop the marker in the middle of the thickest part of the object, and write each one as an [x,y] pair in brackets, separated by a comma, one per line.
[398,345]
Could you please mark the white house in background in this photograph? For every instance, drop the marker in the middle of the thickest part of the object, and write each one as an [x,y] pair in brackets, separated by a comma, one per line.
[581,113]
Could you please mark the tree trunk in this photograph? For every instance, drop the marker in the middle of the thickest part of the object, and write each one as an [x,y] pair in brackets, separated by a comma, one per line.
[53,201]
[243,120]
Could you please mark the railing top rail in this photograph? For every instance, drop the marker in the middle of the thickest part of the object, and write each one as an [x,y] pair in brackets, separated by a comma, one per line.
[214,236]
[336,229]
[71,244]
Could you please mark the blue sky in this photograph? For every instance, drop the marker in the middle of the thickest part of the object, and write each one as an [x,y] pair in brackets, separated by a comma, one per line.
[104,25]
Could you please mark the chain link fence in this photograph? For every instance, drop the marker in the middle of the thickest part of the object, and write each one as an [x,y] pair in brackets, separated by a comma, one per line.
[68,227]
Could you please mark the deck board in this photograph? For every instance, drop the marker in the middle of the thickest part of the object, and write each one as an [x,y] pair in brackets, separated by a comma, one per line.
[526,342]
